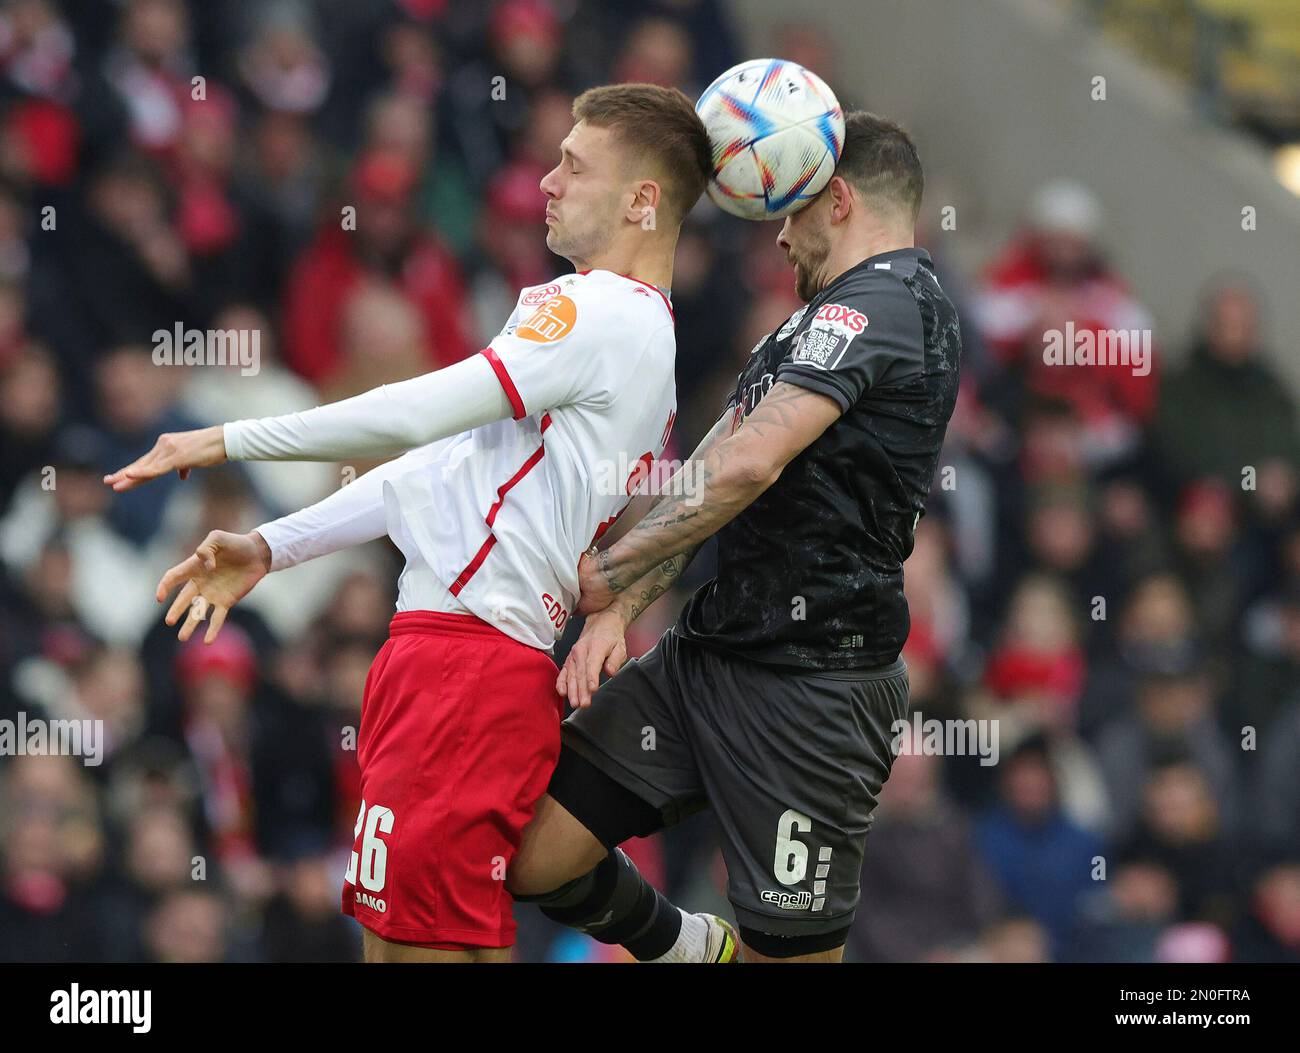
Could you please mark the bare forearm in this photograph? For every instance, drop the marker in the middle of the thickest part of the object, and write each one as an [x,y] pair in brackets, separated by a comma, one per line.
[649,587]
[725,479]
[657,580]
[682,522]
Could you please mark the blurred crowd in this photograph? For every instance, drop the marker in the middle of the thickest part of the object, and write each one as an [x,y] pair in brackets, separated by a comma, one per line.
[1109,566]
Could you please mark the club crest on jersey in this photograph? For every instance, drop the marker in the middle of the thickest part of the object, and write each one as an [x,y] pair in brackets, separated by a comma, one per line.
[551,321]
[792,323]
[833,327]
[539,295]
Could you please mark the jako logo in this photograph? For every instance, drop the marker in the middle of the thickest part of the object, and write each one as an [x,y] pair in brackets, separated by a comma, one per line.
[102,1007]
[373,902]
[787,900]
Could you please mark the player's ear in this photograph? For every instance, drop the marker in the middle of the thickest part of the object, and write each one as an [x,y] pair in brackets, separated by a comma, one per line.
[646,195]
[842,198]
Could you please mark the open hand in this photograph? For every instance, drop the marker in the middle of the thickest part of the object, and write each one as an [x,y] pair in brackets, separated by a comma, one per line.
[174,451]
[222,571]
[601,645]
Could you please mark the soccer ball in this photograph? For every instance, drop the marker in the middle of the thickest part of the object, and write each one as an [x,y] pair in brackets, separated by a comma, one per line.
[776,131]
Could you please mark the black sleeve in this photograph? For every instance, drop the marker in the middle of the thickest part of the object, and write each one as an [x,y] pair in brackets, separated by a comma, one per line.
[871,332]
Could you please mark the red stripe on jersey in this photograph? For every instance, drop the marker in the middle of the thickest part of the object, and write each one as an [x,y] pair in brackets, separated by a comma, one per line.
[471,568]
[509,484]
[508,385]
[462,579]
[668,429]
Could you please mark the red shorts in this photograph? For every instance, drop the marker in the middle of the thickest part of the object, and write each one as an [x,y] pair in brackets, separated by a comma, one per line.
[460,731]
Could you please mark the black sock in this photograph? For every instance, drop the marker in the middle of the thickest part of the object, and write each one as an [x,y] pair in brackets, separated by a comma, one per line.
[615,904]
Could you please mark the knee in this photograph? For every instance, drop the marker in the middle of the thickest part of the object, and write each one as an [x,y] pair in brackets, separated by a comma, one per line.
[539,875]
[528,875]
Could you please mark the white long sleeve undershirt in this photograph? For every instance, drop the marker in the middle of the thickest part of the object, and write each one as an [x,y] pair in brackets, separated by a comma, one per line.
[387,420]
[352,515]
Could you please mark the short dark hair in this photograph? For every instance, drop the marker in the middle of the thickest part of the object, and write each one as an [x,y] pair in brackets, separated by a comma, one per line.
[880,160]
[655,122]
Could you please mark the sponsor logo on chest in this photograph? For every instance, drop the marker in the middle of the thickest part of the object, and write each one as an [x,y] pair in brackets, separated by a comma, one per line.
[831,331]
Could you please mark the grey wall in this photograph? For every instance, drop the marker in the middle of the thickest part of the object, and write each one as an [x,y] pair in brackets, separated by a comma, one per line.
[998,95]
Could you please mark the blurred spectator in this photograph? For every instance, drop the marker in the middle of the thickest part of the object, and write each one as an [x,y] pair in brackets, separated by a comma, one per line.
[1039,662]
[1016,940]
[1173,719]
[927,888]
[137,403]
[402,123]
[387,245]
[1200,433]
[150,68]
[1181,829]
[187,925]
[488,102]
[216,394]
[657,51]
[128,269]
[1269,672]
[1154,620]
[1054,277]
[1209,559]
[30,411]
[1123,920]
[1275,792]
[1043,863]
[263,764]
[281,64]
[1272,932]
[303,923]
[58,529]
[512,237]
[51,851]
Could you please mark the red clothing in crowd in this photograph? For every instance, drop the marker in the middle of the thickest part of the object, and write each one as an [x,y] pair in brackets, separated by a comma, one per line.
[1015,303]
[328,272]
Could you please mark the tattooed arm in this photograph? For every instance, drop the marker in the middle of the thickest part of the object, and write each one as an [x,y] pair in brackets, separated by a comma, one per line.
[602,645]
[636,600]
[706,494]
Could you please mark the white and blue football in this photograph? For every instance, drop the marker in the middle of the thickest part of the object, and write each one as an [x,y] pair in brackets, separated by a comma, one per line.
[776,131]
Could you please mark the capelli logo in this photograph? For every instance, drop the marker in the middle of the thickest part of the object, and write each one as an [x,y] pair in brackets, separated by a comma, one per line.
[787,900]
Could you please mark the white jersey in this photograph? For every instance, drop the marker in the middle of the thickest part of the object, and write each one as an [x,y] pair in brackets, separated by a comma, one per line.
[499,516]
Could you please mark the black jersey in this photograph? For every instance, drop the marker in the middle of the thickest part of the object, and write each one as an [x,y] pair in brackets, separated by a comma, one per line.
[811,574]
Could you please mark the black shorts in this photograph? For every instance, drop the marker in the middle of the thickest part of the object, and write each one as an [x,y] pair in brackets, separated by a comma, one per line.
[790,762]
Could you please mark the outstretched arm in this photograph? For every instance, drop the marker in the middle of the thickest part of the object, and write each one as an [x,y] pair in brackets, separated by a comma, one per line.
[225,567]
[387,420]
